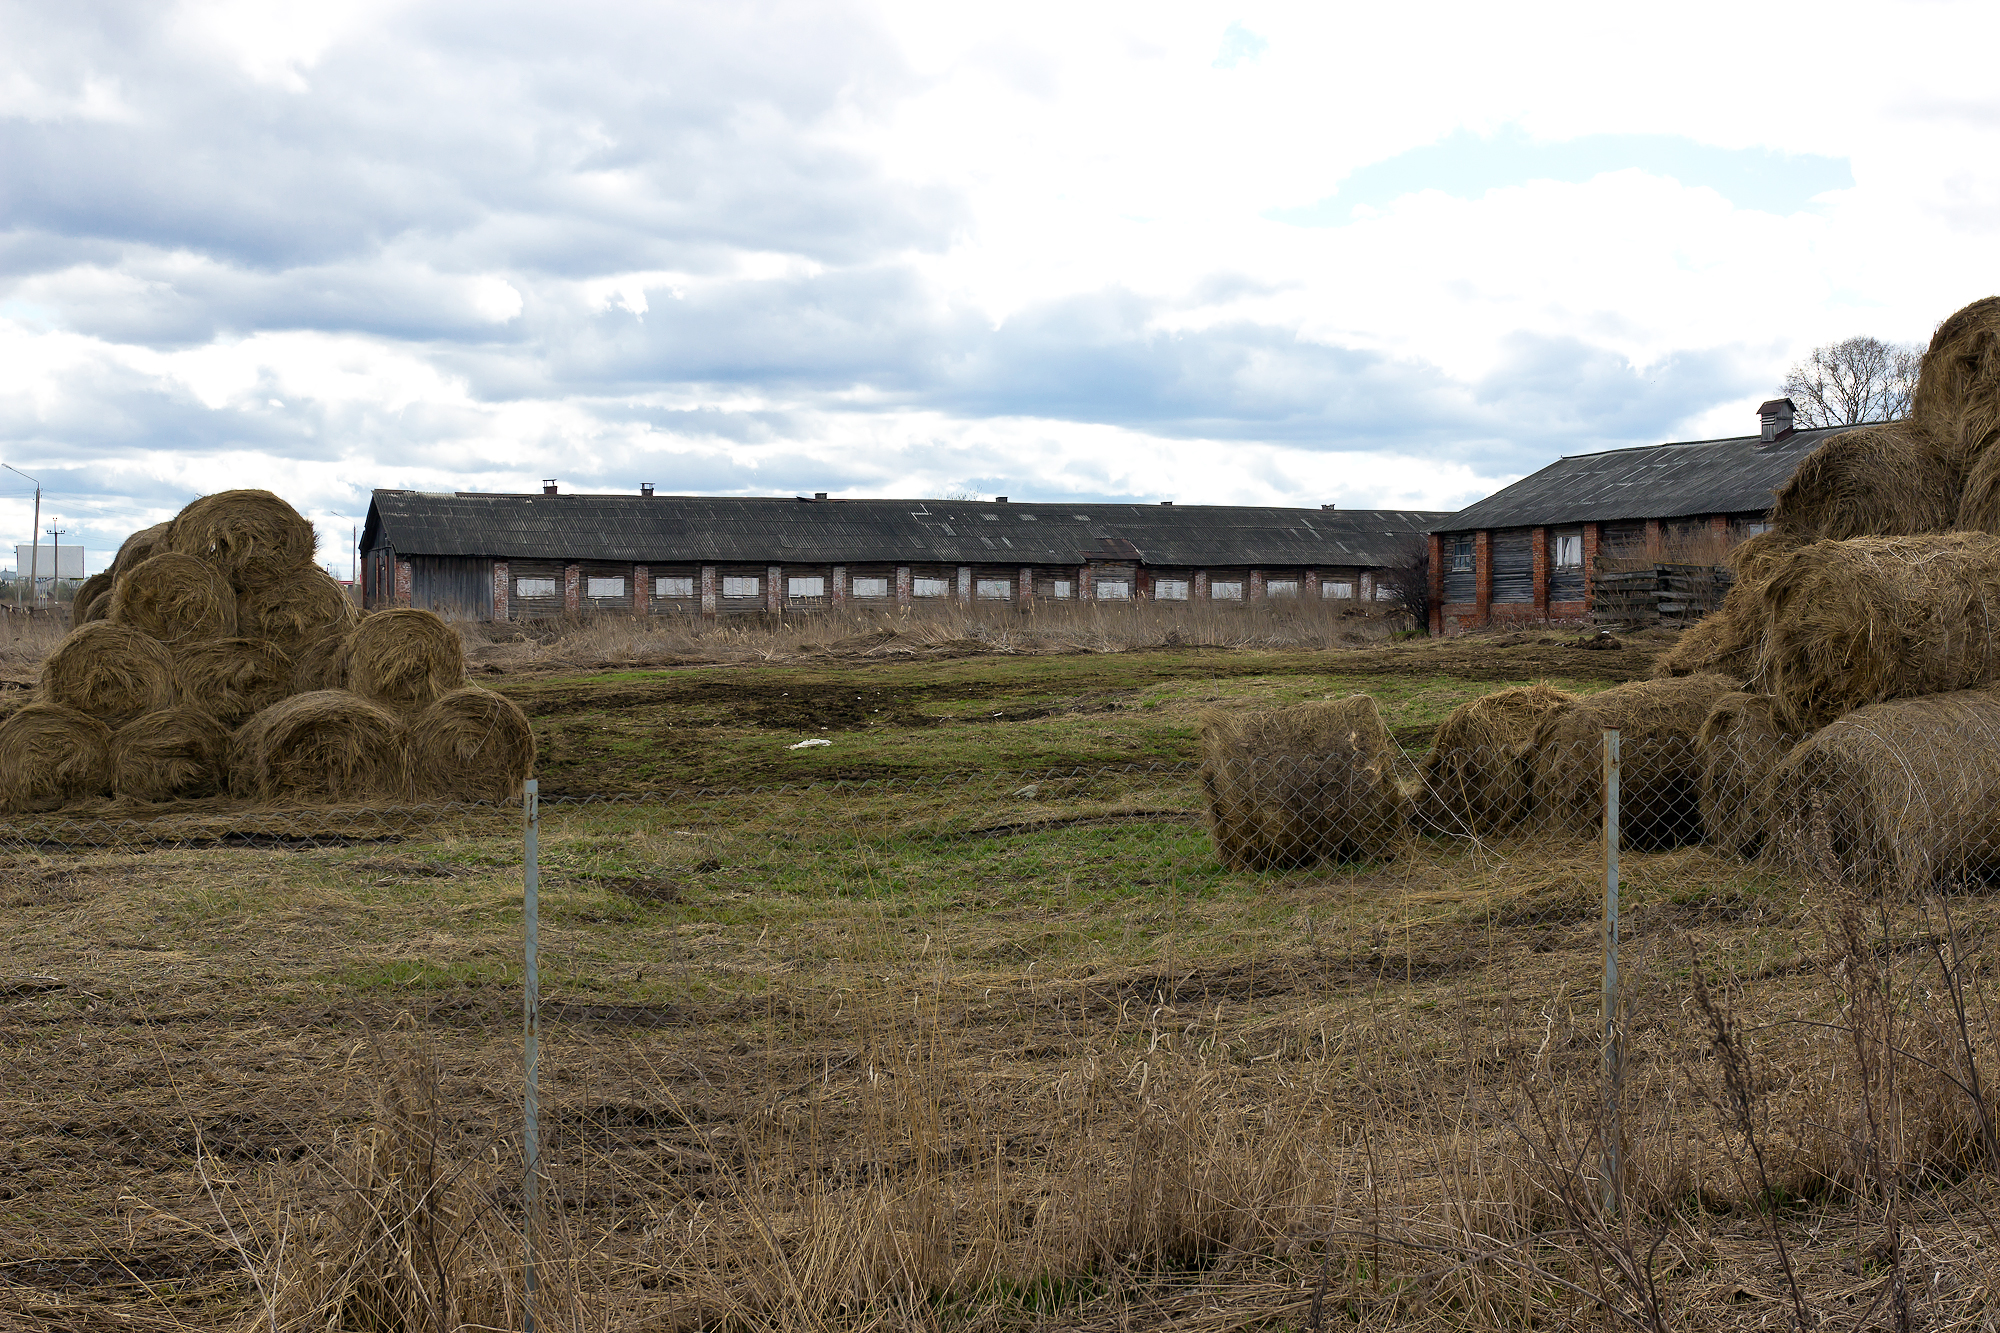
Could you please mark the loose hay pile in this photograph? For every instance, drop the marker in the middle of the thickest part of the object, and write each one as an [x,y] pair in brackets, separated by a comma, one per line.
[50,757]
[176,754]
[1477,776]
[110,672]
[471,745]
[1290,787]
[176,599]
[405,660]
[1660,778]
[327,746]
[1741,745]
[1902,795]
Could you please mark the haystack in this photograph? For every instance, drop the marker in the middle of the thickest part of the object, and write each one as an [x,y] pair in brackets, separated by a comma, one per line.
[404,660]
[177,599]
[1725,640]
[1293,786]
[51,756]
[1892,479]
[1847,624]
[252,536]
[327,746]
[90,602]
[110,672]
[1476,777]
[1958,388]
[1897,796]
[1741,744]
[1660,772]
[321,665]
[471,745]
[230,679]
[297,610]
[175,754]
[141,545]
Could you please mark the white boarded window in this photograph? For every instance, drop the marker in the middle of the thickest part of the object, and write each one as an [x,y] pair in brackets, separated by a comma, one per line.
[1384,593]
[871,587]
[604,587]
[930,587]
[994,590]
[1114,590]
[674,586]
[740,585]
[534,587]
[1282,588]
[809,585]
[1060,590]
[1170,590]
[1339,590]
[1225,592]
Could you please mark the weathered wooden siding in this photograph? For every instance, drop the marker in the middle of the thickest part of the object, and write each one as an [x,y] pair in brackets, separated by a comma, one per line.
[457,586]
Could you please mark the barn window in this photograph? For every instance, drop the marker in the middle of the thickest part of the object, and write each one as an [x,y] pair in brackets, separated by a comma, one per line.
[995,590]
[1340,590]
[534,587]
[604,587]
[931,587]
[740,585]
[1060,590]
[1384,593]
[1170,590]
[1225,592]
[1461,555]
[871,587]
[681,586]
[1114,590]
[1282,588]
[810,585]
[1569,551]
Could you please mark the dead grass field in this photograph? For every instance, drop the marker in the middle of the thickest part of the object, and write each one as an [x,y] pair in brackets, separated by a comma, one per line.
[984,1038]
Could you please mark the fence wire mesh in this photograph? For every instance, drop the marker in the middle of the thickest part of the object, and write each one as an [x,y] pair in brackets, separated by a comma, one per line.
[1274,1041]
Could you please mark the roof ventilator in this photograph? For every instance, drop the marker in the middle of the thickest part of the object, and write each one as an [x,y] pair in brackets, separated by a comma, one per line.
[645,488]
[548,486]
[1776,419]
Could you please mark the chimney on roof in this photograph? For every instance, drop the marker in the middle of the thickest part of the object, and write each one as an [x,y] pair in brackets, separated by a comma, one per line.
[1776,419]
[1168,503]
[1329,506]
[819,495]
[548,485]
[645,488]
[999,499]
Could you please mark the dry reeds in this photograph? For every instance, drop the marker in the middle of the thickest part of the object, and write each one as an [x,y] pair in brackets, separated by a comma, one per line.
[231,679]
[404,659]
[1293,786]
[1902,795]
[296,610]
[327,747]
[52,756]
[110,672]
[1895,478]
[1847,624]
[252,536]
[175,754]
[1476,778]
[471,745]
[177,599]
[1660,779]
[1741,744]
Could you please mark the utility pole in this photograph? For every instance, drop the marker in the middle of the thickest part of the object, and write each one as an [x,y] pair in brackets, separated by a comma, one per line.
[35,559]
[55,561]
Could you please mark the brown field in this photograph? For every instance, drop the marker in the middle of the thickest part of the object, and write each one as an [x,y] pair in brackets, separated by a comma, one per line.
[955,1022]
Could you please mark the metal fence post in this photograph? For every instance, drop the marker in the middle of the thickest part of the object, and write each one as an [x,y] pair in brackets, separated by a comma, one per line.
[531,1130]
[1613,1055]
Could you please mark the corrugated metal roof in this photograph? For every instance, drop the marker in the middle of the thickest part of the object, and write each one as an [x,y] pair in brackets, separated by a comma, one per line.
[693,529]
[1732,476]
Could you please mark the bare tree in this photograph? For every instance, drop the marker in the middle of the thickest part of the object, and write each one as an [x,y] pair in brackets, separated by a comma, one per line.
[1847,383]
[1406,580]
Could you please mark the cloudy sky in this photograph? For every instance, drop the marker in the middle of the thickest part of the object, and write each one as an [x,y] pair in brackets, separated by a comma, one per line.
[1267,253]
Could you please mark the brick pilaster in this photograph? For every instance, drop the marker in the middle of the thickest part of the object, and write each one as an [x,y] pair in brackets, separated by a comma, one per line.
[642,590]
[1591,534]
[572,590]
[501,587]
[1482,577]
[1538,549]
[709,601]
[1437,583]
[774,588]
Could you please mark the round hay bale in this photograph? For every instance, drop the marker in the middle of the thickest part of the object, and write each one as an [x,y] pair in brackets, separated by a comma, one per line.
[1897,796]
[321,665]
[141,545]
[324,747]
[1892,479]
[232,679]
[1958,388]
[176,754]
[1660,771]
[52,756]
[1847,624]
[1294,786]
[1725,642]
[1741,744]
[91,602]
[175,598]
[297,610]
[404,659]
[471,745]
[1476,776]
[252,536]
[110,672]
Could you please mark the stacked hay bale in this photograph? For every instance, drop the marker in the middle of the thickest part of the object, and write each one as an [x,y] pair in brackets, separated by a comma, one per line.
[1292,787]
[214,657]
[1658,722]
[1478,776]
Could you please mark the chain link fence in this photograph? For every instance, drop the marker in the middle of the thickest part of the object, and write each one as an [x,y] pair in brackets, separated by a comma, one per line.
[1286,1039]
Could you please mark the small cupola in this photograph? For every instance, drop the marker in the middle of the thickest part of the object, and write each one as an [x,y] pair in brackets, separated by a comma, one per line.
[548,486]
[645,488]
[1775,418]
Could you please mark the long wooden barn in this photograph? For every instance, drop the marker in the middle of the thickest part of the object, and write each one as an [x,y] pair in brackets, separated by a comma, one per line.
[515,557]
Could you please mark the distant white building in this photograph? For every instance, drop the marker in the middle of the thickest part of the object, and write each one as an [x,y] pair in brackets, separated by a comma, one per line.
[55,562]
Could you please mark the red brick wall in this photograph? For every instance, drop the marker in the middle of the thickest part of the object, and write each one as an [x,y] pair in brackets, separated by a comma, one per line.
[642,591]
[572,590]
[501,587]
[1538,550]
